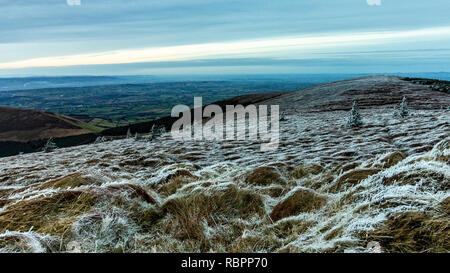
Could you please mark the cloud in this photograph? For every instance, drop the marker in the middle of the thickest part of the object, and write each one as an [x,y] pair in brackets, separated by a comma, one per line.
[53,33]
[266,47]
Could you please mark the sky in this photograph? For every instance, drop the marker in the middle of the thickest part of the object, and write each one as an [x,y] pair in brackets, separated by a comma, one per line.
[164,37]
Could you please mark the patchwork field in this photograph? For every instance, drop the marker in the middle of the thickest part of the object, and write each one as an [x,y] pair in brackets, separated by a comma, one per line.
[108,106]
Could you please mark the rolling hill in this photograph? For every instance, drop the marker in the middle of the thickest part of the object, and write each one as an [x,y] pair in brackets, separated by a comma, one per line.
[380,187]
[23,125]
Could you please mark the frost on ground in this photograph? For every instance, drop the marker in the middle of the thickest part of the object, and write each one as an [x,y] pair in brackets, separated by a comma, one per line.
[328,188]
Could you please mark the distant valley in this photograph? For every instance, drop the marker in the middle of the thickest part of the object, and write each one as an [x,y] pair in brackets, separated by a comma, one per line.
[109,106]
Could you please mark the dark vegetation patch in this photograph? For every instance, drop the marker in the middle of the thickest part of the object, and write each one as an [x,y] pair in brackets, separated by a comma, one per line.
[437,85]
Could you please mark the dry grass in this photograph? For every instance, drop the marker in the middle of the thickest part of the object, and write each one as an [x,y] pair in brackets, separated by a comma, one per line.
[5,192]
[273,191]
[178,173]
[264,176]
[414,231]
[13,244]
[426,177]
[133,191]
[301,171]
[5,202]
[146,217]
[392,159]
[442,151]
[444,206]
[301,200]
[16,242]
[352,178]
[256,243]
[209,206]
[174,184]
[69,181]
[291,227]
[346,167]
[47,215]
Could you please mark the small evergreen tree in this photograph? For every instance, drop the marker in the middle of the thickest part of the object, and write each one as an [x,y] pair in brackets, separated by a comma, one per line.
[156,131]
[153,130]
[137,136]
[148,137]
[403,110]
[100,139]
[162,130]
[50,146]
[354,118]
[395,114]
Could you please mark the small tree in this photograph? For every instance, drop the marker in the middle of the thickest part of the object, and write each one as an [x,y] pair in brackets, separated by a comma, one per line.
[50,146]
[403,110]
[157,131]
[137,136]
[354,117]
[100,139]
[154,130]
[162,130]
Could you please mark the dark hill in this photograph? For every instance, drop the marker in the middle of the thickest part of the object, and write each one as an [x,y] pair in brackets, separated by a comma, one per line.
[23,125]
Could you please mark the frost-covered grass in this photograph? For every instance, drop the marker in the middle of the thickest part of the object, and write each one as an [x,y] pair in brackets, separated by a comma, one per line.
[167,196]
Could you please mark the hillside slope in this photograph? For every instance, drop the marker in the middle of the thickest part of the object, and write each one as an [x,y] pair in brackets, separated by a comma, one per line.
[382,187]
[370,91]
[23,125]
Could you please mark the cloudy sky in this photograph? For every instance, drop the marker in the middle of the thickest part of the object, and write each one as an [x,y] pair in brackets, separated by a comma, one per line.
[64,37]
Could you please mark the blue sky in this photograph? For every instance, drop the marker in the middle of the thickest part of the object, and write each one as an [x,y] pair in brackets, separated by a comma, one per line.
[51,37]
